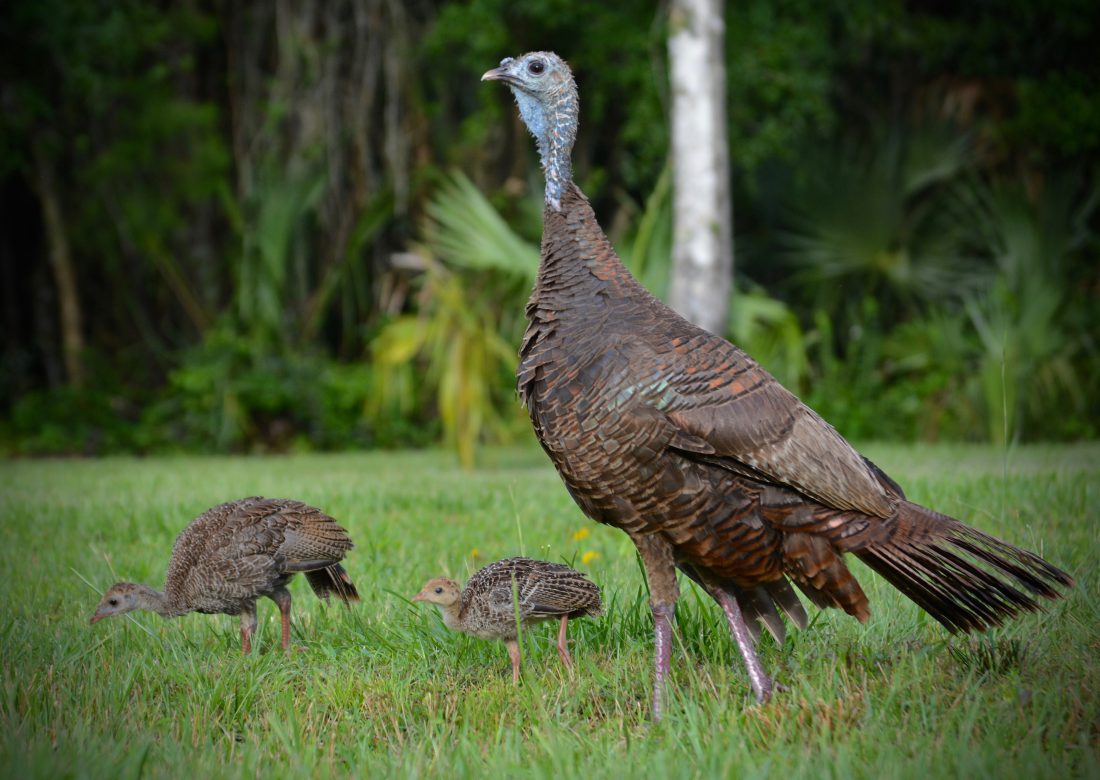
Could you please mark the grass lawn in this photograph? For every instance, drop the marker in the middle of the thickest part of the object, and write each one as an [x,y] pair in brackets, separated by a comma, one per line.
[383,690]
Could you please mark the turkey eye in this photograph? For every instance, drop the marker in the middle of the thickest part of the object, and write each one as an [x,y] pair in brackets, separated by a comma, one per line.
[113,602]
[439,590]
[536,67]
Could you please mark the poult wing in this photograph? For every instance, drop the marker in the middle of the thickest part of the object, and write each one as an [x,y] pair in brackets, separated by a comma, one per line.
[537,598]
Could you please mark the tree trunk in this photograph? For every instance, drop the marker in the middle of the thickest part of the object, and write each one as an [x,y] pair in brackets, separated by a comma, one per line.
[61,263]
[702,254]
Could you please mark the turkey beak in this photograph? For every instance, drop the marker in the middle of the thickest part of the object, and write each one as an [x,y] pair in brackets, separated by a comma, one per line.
[420,597]
[96,618]
[496,74]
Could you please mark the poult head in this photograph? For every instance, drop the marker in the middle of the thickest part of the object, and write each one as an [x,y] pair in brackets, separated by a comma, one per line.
[441,591]
[120,598]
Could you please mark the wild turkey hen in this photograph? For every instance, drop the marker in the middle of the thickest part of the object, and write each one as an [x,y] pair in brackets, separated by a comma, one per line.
[232,554]
[488,607]
[680,439]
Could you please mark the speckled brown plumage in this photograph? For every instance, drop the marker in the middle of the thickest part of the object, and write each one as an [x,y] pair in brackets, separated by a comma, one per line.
[234,553]
[487,607]
[683,441]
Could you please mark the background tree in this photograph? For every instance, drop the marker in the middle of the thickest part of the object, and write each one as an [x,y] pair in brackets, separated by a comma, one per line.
[702,249]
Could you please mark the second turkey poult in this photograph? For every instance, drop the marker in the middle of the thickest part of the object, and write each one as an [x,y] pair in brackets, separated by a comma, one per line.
[234,553]
[495,596]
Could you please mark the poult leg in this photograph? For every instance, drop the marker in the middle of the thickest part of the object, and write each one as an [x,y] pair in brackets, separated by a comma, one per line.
[248,628]
[513,653]
[761,683]
[563,645]
[282,598]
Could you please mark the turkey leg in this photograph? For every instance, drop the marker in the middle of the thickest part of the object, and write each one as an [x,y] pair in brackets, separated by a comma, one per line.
[662,654]
[513,653]
[282,598]
[660,572]
[761,683]
[248,628]
[563,645]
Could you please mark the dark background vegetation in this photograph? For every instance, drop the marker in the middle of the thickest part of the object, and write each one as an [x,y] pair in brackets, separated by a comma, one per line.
[262,226]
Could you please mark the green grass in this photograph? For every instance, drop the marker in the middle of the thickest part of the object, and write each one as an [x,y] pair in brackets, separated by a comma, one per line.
[384,690]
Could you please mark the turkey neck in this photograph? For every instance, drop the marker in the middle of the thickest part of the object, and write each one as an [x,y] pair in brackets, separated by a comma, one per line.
[553,123]
[153,600]
[579,267]
[452,616]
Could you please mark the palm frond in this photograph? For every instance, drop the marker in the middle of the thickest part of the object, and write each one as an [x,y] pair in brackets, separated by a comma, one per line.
[464,229]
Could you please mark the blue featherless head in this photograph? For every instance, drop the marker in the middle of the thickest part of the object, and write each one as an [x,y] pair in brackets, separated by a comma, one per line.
[547,97]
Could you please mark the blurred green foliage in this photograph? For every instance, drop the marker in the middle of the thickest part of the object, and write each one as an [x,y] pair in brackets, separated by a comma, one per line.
[458,351]
[269,254]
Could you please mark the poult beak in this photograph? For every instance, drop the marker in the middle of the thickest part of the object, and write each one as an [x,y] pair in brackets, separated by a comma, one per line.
[420,597]
[95,619]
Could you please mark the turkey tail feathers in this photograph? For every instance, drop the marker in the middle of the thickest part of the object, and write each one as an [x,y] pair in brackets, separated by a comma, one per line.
[332,579]
[965,579]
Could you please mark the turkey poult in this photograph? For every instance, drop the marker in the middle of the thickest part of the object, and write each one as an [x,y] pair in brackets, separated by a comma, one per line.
[486,608]
[233,554]
[681,440]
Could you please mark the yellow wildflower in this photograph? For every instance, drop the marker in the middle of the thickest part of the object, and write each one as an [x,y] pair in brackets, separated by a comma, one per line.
[475,553]
[589,556]
[581,534]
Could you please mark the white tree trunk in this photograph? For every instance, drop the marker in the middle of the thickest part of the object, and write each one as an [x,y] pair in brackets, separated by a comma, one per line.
[702,212]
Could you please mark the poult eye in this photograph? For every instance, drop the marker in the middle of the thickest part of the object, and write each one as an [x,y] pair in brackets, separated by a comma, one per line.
[439,590]
[113,602]
[536,67]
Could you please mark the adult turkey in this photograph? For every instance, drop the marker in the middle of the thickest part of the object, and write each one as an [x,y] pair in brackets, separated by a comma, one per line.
[232,554]
[514,589]
[681,440]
